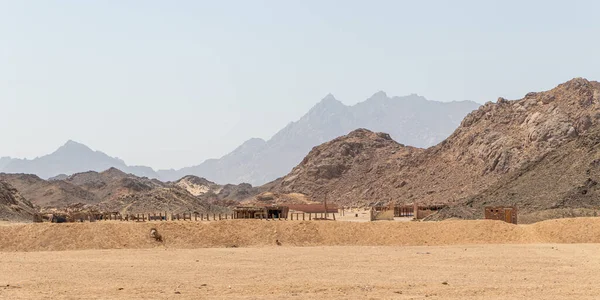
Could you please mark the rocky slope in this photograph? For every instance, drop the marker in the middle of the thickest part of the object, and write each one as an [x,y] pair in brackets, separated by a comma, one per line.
[496,149]
[212,193]
[44,193]
[13,207]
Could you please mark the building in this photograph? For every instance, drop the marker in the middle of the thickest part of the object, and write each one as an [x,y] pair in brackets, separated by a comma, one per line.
[255,212]
[503,213]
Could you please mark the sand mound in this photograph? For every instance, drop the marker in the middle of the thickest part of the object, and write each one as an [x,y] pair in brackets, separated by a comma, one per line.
[256,233]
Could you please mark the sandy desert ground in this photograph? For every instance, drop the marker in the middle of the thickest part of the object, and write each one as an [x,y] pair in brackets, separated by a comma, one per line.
[240,259]
[537,271]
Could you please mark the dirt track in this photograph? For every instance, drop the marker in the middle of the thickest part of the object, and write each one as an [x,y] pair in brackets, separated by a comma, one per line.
[423,272]
[257,233]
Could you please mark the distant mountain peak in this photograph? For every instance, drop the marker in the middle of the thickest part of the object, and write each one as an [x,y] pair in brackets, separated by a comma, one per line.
[73,145]
[328,103]
[380,94]
[329,97]
[329,100]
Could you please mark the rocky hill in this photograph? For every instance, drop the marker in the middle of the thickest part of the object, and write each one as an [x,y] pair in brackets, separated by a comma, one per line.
[114,190]
[227,195]
[412,120]
[44,193]
[500,153]
[13,207]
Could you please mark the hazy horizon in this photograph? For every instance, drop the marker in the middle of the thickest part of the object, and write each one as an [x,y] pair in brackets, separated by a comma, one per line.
[60,144]
[171,84]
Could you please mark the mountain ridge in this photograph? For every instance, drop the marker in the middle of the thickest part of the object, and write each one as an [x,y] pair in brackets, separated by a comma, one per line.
[258,161]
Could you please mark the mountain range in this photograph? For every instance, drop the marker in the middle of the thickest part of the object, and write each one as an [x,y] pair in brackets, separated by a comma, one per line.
[411,120]
[540,154]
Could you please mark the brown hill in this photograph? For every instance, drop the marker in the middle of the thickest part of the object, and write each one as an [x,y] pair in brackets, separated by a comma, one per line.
[113,183]
[54,193]
[493,143]
[346,170]
[114,190]
[13,207]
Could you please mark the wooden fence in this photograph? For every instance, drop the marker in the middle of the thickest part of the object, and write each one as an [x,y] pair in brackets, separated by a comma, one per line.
[164,216]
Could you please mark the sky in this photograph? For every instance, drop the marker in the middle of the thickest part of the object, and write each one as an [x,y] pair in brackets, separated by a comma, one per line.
[168,84]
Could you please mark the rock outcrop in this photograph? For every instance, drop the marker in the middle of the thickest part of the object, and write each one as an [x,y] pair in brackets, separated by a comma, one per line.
[13,207]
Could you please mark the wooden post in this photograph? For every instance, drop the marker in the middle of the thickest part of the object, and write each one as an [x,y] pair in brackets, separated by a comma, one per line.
[214,217]
[309,216]
[415,210]
[333,216]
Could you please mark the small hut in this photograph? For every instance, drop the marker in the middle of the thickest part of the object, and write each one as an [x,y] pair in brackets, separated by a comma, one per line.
[265,212]
[507,214]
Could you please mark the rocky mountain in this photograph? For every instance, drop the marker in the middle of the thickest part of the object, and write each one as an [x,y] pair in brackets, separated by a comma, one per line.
[413,120]
[13,207]
[44,193]
[539,153]
[114,190]
[70,158]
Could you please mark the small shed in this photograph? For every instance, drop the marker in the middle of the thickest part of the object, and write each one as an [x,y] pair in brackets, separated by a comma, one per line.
[503,213]
[266,212]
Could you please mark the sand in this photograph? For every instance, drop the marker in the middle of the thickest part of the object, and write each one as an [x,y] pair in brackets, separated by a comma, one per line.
[239,259]
[260,233]
[557,271]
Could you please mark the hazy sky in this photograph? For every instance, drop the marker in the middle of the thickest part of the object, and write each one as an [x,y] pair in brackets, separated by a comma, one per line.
[172,83]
